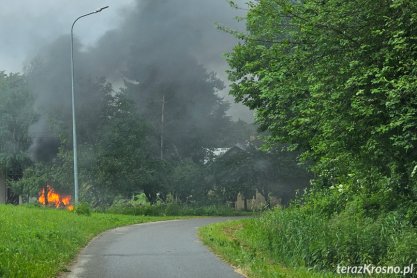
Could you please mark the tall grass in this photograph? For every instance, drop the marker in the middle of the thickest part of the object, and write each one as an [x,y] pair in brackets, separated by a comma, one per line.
[37,242]
[295,238]
[310,240]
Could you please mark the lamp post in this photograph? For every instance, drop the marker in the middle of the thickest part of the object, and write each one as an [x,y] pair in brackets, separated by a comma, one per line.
[74,134]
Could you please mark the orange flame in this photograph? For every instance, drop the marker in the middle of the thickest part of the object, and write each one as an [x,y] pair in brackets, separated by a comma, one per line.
[54,198]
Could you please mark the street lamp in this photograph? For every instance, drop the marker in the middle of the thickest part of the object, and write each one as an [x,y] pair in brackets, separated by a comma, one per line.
[74,134]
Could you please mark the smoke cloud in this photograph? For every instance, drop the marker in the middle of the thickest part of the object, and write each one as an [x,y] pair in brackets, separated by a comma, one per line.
[160,42]
[45,145]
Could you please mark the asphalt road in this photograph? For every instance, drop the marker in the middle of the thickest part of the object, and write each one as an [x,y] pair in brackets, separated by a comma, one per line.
[151,250]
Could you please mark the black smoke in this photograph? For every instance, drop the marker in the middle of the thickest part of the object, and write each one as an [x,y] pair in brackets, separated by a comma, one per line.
[161,46]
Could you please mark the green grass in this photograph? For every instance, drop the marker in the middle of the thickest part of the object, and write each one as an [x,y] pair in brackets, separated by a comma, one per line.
[297,242]
[234,242]
[38,242]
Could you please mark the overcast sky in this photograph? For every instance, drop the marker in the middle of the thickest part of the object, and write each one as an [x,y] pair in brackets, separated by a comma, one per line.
[28,25]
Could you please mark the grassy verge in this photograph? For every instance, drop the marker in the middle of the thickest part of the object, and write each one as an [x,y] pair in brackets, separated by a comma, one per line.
[234,242]
[37,242]
[300,242]
[231,241]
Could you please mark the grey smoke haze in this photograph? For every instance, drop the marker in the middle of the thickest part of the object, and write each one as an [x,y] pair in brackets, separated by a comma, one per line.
[165,41]
[28,26]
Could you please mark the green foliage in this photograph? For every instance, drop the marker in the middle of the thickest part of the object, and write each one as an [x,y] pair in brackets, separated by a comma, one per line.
[336,80]
[246,169]
[39,242]
[194,115]
[123,161]
[118,132]
[114,158]
[83,209]
[234,241]
[118,150]
[170,208]
[16,115]
[57,173]
[299,239]
[140,200]
[186,181]
[33,181]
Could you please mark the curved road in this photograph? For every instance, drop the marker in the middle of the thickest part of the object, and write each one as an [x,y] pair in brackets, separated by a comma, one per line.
[151,250]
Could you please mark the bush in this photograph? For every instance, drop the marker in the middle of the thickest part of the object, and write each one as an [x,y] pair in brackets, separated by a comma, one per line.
[83,209]
[129,207]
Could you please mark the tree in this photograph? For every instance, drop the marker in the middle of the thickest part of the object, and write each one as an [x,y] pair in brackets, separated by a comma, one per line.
[123,161]
[247,169]
[187,182]
[16,115]
[336,80]
[194,115]
[165,69]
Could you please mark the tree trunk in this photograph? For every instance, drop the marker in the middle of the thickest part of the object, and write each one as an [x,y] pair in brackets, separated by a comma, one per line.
[45,194]
[3,189]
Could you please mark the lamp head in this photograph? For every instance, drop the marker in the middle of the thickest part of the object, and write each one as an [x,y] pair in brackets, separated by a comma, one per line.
[99,10]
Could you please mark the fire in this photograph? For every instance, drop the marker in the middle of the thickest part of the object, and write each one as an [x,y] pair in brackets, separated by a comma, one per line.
[53,198]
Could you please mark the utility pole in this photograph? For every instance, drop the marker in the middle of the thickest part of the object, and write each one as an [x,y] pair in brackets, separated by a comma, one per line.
[162,126]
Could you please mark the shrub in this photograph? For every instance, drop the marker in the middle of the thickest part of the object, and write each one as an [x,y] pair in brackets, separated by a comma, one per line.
[83,209]
[129,207]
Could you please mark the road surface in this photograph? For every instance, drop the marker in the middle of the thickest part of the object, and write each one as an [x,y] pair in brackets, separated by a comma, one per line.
[151,250]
